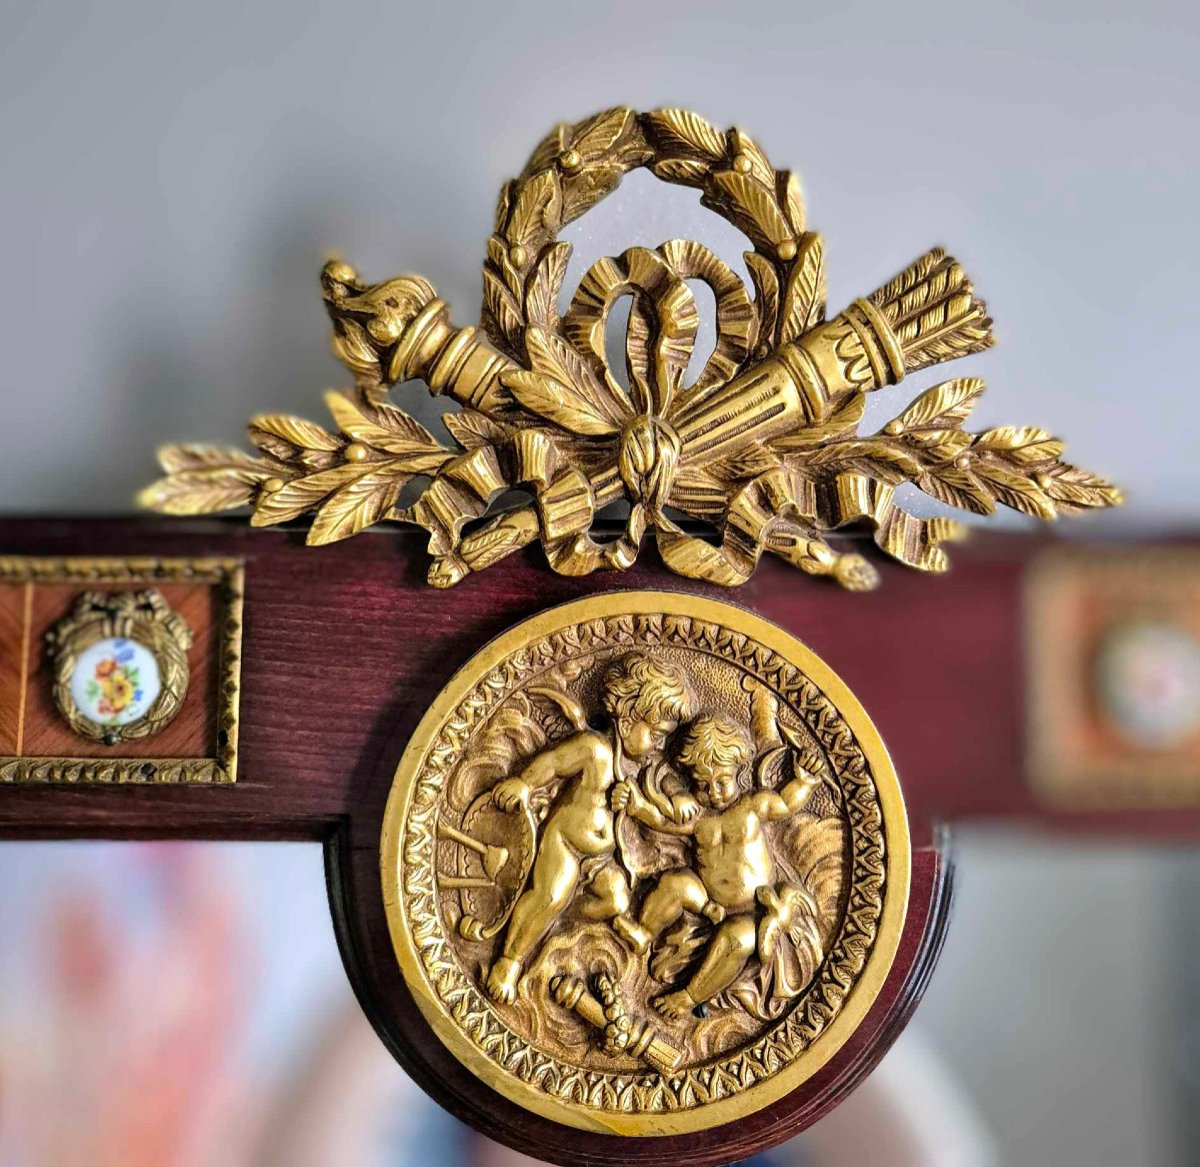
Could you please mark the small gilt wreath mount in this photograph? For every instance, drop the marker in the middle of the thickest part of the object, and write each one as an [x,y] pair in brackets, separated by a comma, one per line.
[762,450]
[120,665]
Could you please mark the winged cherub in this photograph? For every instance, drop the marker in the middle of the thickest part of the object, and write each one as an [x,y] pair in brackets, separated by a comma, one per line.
[645,699]
[734,873]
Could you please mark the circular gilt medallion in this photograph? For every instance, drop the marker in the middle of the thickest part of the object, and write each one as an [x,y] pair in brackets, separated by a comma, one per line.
[645,863]
[120,665]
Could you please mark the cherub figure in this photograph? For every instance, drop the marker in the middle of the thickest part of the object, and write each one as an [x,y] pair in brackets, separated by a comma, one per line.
[734,869]
[645,699]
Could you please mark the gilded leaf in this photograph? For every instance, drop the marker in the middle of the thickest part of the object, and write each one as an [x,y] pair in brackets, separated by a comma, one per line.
[558,403]
[283,451]
[292,499]
[545,282]
[887,457]
[682,128]
[500,308]
[503,205]
[586,188]
[556,358]
[1074,489]
[945,405]
[501,538]
[849,413]
[600,132]
[358,504]
[295,431]
[1010,437]
[471,429]
[545,152]
[882,457]
[1023,444]
[387,428]
[958,488]
[940,445]
[750,462]
[687,171]
[196,455]
[537,212]
[794,202]
[760,168]
[804,297]
[766,296]
[404,426]
[754,207]
[1037,452]
[502,266]
[202,491]
[1015,490]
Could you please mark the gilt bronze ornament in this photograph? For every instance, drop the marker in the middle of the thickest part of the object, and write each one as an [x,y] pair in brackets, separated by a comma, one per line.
[120,665]
[761,451]
[645,863]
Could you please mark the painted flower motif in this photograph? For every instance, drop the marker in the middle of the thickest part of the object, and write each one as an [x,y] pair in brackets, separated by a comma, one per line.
[116,687]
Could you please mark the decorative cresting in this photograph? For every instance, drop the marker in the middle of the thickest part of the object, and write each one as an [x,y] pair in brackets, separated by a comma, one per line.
[763,446]
[645,863]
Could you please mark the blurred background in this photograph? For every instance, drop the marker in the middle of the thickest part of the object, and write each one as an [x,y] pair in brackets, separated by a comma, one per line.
[173,177]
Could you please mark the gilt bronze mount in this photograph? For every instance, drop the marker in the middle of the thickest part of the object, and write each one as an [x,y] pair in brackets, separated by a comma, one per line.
[646,863]
[120,665]
[762,449]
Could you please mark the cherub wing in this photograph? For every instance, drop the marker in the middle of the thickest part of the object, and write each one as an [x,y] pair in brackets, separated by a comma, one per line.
[566,704]
[511,734]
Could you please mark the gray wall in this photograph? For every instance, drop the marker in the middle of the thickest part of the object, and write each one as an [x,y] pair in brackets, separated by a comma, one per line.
[172,180]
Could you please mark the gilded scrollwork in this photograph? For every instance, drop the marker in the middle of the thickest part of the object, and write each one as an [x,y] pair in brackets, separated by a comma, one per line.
[644,862]
[762,446]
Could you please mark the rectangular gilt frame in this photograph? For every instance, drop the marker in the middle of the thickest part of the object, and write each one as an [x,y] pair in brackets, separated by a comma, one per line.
[226,574]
